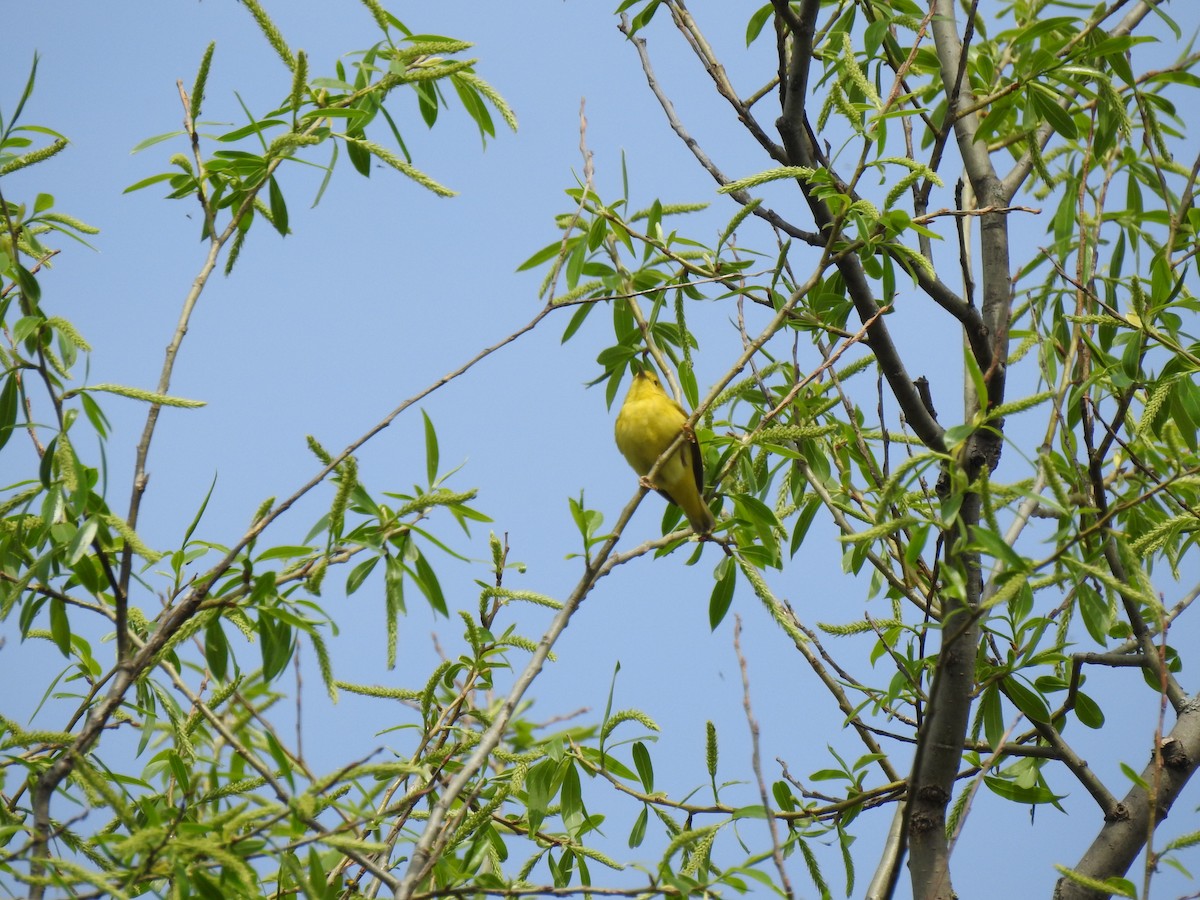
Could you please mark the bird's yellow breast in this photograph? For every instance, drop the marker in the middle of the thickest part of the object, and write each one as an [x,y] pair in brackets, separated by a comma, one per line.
[646,425]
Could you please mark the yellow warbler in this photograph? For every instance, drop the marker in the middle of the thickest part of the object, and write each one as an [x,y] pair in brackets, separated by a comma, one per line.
[648,422]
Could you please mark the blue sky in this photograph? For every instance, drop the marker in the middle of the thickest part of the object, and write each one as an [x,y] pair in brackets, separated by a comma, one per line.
[383,288]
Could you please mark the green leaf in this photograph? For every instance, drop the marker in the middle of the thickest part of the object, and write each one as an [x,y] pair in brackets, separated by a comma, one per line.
[755,811]
[25,94]
[991,709]
[275,641]
[246,130]
[359,574]
[1097,613]
[87,571]
[180,771]
[722,593]
[645,768]
[279,213]
[46,468]
[95,414]
[951,503]
[9,404]
[284,551]
[995,546]
[29,285]
[755,26]
[643,18]
[1088,711]
[393,576]
[216,648]
[1134,777]
[1046,104]
[784,798]
[1009,790]
[360,157]
[332,84]
[427,101]
[803,522]
[1026,700]
[60,626]
[282,760]
[638,833]
[760,516]
[82,540]
[151,141]
[431,450]
[575,262]
[573,813]
[548,252]
[25,327]
[428,583]
[972,367]
[538,793]
[469,97]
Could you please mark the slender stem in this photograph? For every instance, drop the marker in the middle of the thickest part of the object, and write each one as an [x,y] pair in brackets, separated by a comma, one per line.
[756,761]
[797,137]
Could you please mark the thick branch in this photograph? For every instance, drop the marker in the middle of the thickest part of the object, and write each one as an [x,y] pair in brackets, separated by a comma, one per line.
[1123,836]
[945,727]
[939,749]
[1079,768]
[989,192]
[934,288]
[797,138]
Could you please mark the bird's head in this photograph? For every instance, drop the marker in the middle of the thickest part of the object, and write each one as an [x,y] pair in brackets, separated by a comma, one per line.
[646,377]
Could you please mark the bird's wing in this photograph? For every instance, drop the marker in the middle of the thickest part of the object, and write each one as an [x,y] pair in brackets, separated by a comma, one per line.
[697,464]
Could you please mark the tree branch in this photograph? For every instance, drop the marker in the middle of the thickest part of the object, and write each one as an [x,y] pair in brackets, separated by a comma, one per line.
[793,126]
[1122,837]
[756,761]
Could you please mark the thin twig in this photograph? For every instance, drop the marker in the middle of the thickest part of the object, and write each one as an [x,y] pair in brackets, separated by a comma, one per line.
[756,760]
[973,788]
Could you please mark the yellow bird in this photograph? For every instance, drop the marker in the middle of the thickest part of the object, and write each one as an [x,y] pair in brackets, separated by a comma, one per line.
[649,421]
